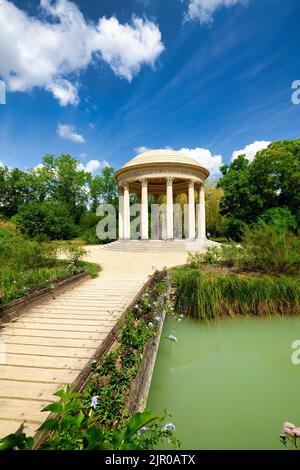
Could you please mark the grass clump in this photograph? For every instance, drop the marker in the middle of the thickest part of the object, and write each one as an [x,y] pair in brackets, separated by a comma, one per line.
[211,295]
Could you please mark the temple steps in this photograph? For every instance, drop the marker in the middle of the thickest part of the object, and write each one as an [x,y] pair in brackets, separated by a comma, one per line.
[158,245]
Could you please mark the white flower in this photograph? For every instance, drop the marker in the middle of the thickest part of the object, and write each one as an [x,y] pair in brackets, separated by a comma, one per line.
[179,319]
[93,361]
[150,324]
[157,319]
[136,306]
[169,427]
[94,401]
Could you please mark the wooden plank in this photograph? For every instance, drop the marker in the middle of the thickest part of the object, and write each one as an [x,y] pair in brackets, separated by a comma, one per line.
[42,350]
[16,330]
[104,316]
[35,340]
[45,361]
[36,374]
[28,390]
[17,409]
[75,328]
[10,426]
[69,321]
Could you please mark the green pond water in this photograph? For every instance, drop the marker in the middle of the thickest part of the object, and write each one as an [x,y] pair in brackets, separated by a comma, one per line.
[229,384]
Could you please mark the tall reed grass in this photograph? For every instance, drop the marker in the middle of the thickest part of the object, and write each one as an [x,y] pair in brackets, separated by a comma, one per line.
[212,295]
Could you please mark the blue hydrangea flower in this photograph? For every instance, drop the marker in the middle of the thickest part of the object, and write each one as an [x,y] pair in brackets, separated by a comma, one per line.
[169,427]
[94,401]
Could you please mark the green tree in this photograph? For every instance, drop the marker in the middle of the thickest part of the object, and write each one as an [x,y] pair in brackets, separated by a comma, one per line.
[16,190]
[51,219]
[61,179]
[104,188]
[271,180]
[212,208]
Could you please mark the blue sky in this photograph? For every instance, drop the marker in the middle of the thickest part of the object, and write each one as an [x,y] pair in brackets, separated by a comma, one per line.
[101,78]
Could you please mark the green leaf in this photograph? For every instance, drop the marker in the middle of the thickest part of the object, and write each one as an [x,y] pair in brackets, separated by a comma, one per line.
[50,425]
[95,438]
[138,421]
[54,407]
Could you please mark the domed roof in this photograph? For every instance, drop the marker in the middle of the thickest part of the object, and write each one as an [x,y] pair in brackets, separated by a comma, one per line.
[161,156]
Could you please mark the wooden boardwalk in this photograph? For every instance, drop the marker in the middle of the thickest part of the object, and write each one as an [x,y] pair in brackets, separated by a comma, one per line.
[50,344]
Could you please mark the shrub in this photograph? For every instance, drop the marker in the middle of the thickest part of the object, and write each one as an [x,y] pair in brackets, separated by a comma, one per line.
[233,228]
[281,216]
[231,255]
[272,248]
[8,230]
[74,252]
[46,218]
[269,248]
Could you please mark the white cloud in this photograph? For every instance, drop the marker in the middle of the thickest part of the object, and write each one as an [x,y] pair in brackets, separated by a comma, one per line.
[93,165]
[67,132]
[47,52]
[201,155]
[251,150]
[203,10]
[125,48]
[141,149]
[206,159]
[63,91]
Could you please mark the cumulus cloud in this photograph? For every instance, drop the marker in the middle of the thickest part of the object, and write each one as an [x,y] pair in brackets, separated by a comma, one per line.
[93,165]
[68,132]
[203,10]
[251,150]
[201,155]
[206,159]
[47,52]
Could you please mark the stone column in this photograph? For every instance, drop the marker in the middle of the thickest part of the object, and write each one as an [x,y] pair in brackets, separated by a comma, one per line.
[144,209]
[126,223]
[201,214]
[170,234]
[191,211]
[121,213]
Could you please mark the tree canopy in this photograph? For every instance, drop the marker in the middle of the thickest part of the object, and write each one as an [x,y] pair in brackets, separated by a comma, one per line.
[271,180]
